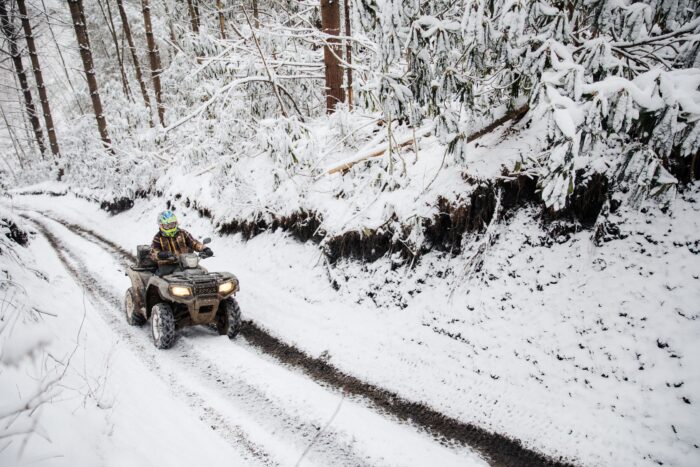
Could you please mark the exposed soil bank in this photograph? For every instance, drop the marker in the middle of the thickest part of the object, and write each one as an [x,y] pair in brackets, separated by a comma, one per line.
[446,230]
[118,205]
[685,169]
[302,225]
[470,213]
[14,232]
[114,206]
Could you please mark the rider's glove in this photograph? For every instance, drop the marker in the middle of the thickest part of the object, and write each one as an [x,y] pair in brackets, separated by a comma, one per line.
[165,255]
[207,251]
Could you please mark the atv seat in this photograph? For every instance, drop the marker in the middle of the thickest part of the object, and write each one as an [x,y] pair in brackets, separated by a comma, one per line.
[143,259]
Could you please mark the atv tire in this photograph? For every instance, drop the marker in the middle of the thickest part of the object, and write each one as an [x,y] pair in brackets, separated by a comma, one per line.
[229,321]
[162,325]
[133,317]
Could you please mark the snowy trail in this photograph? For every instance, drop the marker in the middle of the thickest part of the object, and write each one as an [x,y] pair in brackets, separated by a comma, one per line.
[107,302]
[248,398]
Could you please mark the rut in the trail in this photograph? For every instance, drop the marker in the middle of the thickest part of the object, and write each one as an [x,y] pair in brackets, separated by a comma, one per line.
[498,449]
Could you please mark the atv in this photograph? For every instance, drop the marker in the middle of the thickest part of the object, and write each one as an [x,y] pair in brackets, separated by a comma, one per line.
[180,294]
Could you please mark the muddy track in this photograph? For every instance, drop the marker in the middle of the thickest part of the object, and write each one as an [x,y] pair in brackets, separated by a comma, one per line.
[498,449]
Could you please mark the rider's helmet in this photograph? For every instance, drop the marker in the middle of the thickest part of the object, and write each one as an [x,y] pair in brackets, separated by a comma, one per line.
[168,223]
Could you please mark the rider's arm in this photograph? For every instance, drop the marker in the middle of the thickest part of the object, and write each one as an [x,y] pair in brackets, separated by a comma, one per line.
[156,247]
[191,242]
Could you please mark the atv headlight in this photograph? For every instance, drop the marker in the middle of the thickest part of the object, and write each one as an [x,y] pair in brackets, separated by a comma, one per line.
[180,291]
[226,287]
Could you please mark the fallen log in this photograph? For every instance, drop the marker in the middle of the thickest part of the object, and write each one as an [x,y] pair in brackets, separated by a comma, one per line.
[407,140]
[378,151]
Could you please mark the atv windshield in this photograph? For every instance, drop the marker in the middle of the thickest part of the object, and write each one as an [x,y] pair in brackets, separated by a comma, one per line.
[189,261]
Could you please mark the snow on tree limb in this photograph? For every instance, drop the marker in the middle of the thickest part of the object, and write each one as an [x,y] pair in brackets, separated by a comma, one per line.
[413,137]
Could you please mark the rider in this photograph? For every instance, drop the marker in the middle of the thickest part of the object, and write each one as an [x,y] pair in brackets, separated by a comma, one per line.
[171,241]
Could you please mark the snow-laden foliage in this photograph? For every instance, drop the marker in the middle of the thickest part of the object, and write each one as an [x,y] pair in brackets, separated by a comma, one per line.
[602,74]
[600,79]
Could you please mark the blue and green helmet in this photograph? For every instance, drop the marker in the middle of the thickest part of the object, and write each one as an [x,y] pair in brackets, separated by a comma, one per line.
[168,223]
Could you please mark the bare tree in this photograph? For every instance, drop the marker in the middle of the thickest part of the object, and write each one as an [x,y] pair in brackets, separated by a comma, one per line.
[348,52]
[80,25]
[171,26]
[194,16]
[332,51]
[154,58]
[134,57]
[21,103]
[13,138]
[222,23]
[107,15]
[195,5]
[272,76]
[60,55]
[39,79]
[8,29]
[256,14]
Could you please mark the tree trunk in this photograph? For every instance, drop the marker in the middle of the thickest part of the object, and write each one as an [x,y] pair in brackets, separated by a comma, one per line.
[173,36]
[348,52]
[39,78]
[113,32]
[154,58]
[60,55]
[195,4]
[270,71]
[15,144]
[135,58]
[81,33]
[194,17]
[21,104]
[9,31]
[256,14]
[222,23]
[330,21]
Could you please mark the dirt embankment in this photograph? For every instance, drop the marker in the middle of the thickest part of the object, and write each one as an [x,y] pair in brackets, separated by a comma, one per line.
[14,232]
[469,213]
[443,232]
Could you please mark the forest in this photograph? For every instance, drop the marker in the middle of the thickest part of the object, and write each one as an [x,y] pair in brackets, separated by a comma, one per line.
[474,223]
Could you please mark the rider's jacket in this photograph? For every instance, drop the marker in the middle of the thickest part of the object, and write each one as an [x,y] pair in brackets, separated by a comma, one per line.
[181,242]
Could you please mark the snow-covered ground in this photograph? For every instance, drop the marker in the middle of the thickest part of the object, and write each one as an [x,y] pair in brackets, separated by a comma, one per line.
[582,351]
[207,401]
[93,401]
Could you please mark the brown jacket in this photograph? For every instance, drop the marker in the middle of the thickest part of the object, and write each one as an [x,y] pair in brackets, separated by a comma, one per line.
[182,242]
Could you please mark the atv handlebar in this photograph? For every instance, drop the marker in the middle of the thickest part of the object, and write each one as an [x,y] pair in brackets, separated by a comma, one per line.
[166,256]
[170,258]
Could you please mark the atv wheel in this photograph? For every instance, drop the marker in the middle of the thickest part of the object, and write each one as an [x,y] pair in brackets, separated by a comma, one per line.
[229,322]
[162,325]
[133,317]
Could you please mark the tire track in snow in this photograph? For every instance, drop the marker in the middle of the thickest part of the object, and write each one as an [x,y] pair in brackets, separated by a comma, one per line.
[273,417]
[498,449]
